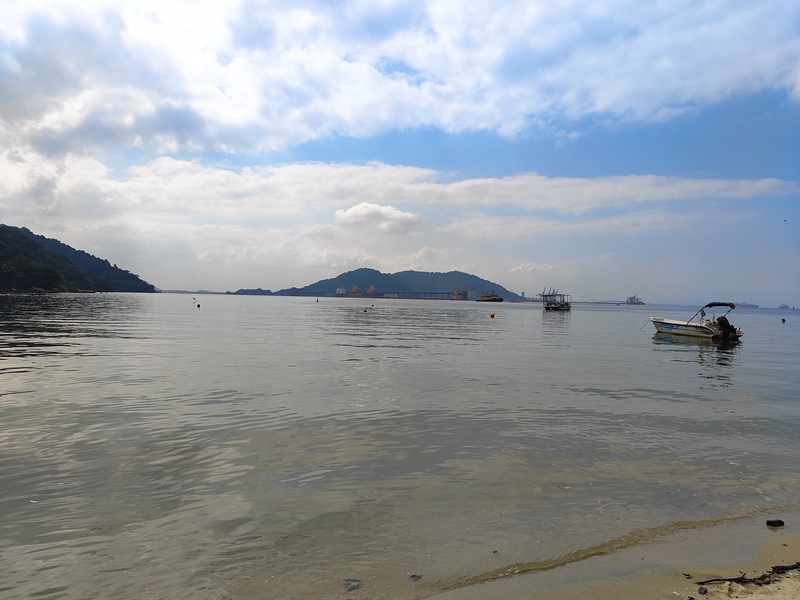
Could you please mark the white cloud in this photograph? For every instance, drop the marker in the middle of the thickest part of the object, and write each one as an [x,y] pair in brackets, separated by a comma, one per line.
[258,75]
[186,192]
[531,267]
[385,218]
[486,227]
[580,195]
[183,224]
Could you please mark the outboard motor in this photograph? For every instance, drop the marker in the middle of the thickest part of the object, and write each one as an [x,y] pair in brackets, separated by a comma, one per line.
[726,328]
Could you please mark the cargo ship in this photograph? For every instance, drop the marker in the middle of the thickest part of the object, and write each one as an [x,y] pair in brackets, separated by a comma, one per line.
[489,298]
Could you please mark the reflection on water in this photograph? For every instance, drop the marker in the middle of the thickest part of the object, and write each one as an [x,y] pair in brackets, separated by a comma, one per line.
[409,327]
[556,327]
[38,325]
[276,447]
[717,359]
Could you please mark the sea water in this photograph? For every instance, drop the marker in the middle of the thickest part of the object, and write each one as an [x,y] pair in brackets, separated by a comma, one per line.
[160,446]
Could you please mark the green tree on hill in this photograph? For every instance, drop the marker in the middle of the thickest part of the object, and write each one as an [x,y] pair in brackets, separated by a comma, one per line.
[27,264]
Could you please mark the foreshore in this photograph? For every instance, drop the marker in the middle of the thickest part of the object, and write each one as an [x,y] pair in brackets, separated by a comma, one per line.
[669,567]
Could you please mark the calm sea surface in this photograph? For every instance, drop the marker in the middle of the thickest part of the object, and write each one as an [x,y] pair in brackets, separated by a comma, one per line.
[281,447]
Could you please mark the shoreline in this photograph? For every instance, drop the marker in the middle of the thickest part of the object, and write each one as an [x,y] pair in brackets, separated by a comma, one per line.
[658,569]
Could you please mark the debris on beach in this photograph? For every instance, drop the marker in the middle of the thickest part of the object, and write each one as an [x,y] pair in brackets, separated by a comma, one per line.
[352,584]
[416,577]
[772,576]
[774,523]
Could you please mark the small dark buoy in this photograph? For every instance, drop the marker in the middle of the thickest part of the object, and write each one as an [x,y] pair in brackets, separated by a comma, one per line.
[783,320]
[317,299]
[774,523]
[198,306]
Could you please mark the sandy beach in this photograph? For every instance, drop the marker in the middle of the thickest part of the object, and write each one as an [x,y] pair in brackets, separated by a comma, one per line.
[671,567]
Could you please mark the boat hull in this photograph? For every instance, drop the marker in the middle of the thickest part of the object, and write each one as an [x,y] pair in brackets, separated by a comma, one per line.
[681,328]
[557,306]
[706,329]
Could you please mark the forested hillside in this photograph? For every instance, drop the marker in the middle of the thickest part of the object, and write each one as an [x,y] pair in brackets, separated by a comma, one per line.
[30,262]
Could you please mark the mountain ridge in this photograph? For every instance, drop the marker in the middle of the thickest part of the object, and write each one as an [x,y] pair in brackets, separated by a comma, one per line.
[400,282]
[31,262]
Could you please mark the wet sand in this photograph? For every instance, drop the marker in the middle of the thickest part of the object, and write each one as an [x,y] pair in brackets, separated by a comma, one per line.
[660,569]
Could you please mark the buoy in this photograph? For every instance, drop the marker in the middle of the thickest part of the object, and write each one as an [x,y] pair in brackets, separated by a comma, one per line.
[783,320]
[365,309]
[491,316]
[198,306]
[317,299]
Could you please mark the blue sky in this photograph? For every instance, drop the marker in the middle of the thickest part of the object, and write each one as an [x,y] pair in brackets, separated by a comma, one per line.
[605,148]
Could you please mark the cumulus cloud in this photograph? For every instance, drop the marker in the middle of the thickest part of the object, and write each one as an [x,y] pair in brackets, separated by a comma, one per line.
[373,197]
[185,224]
[269,75]
[385,218]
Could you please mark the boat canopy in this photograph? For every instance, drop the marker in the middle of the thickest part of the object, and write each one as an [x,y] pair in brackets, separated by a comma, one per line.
[730,305]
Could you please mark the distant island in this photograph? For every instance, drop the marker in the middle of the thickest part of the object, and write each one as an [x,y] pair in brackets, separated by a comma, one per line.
[370,283]
[34,263]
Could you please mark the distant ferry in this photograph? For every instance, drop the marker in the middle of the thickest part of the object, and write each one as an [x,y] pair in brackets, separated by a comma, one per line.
[634,300]
[746,305]
[784,306]
[490,298]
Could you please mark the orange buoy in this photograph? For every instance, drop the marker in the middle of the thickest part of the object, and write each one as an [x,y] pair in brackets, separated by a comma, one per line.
[365,309]
[491,316]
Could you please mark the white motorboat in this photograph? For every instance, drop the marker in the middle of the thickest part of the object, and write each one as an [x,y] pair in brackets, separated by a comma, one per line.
[714,328]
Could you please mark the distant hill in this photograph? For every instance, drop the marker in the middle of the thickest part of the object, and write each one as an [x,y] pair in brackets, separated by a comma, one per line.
[363,279]
[255,292]
[405,281]
[29,261]
[421,281]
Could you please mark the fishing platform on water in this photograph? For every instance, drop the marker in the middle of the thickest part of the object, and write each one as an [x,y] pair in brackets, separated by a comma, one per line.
[556,301]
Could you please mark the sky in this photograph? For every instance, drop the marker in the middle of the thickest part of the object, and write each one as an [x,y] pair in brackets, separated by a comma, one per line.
[602,147]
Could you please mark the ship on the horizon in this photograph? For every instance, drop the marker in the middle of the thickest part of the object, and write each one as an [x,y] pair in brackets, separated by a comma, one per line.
[489,298]
[634,300]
